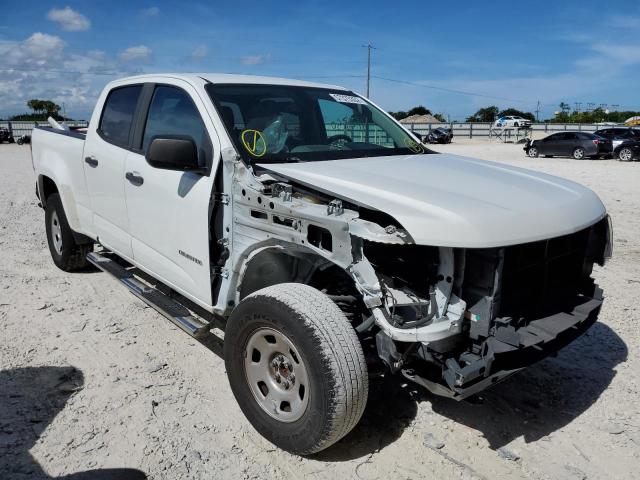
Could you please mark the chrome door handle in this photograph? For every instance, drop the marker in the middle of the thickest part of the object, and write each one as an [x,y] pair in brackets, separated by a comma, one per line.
[136,180]
[91,161]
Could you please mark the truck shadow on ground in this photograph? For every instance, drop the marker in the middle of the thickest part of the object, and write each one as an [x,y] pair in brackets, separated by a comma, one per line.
[531,404]
[30,398]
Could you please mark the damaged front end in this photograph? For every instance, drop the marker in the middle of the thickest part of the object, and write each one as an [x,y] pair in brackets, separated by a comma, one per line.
[516,305]
[454,320]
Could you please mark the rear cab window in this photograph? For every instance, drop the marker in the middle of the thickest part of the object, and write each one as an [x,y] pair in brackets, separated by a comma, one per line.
[118,114]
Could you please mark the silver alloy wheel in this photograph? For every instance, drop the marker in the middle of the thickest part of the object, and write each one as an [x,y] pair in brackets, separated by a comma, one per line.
[625,154]
[578,153]
[276,375]
[56,233]
[533,152]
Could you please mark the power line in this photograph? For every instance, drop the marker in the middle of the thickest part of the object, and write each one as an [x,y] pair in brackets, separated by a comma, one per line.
[450,90]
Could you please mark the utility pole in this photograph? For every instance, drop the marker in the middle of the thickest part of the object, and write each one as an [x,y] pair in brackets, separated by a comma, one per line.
[538,111]
[578,105]
[369,47]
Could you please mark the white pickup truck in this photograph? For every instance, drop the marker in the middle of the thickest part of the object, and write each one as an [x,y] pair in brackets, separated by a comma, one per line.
[323,238]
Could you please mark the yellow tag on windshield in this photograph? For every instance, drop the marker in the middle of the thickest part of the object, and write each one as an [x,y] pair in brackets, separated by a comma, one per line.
[413,145]
[254,142]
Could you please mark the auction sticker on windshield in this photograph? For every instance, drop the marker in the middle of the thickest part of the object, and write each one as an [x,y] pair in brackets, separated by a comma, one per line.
[347,98]
[254,142]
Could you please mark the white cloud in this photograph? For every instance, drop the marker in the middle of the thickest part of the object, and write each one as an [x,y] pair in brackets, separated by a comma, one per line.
[139,52]
[40,67]
[255,59]
[198,54]
[150,12]
[69,20]
[38,49]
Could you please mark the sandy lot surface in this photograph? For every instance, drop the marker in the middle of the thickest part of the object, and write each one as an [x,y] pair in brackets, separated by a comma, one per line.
[93,381]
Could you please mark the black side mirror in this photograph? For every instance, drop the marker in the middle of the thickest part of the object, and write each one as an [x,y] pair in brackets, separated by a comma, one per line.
[174,153]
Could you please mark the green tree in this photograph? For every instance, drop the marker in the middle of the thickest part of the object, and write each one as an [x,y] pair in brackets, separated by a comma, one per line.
[486,114]
[440,117]
[42,109]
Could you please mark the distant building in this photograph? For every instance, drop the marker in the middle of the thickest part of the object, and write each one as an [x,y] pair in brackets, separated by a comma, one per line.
[420,119]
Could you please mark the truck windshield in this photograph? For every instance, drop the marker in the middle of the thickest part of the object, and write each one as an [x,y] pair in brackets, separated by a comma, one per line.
[279,123]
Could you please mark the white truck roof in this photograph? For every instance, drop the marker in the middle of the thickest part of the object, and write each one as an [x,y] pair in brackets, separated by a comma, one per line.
[230,78]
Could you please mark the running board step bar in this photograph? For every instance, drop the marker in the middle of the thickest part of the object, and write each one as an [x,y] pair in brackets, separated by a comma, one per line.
[180,315]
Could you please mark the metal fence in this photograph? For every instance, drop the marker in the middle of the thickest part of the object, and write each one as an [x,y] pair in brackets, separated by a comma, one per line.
[360,132]
[19,128]
[471,130]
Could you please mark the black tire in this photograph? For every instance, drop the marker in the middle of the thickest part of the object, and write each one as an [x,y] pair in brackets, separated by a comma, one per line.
[625,154]
[516,124]
[330,353]
[67,255]
[578,153]
[533,152]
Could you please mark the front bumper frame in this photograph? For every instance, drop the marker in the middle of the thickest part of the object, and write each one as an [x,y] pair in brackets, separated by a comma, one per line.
[509,350]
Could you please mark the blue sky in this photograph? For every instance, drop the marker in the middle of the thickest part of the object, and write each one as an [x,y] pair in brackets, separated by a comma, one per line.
[452,57]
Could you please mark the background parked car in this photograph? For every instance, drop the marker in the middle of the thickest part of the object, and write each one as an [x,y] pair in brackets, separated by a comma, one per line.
[439,135]
[5,135]
[618,135]
[627,151]
[512,121]
[578,145]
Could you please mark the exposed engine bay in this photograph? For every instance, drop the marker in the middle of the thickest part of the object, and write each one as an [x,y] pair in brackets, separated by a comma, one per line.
[454,320]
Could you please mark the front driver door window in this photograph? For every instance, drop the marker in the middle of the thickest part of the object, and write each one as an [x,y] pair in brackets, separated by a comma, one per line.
[169,211]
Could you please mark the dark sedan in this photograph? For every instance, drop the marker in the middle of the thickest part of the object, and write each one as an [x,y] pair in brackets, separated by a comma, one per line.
[627,151]
[440,135]
[618,135]
[578,145]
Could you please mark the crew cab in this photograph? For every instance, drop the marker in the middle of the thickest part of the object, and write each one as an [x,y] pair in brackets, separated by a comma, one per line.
[326,242]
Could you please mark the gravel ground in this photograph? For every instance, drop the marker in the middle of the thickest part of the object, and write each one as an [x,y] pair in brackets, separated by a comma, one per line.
[94,384]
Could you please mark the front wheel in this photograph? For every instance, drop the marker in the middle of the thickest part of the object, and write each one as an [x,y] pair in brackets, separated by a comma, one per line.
[296,367]
[65,252]
[625,155]
[533,152]
[578,153]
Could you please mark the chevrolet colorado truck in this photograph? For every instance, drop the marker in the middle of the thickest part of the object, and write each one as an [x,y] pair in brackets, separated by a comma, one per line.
[323,239]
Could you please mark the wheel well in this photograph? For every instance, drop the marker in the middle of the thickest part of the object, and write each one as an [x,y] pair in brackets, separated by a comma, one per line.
[273,266]
[47,187]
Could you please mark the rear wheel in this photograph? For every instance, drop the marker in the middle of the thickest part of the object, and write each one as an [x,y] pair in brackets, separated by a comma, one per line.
[578,153]
[295,367]
[65,252]
[625,154]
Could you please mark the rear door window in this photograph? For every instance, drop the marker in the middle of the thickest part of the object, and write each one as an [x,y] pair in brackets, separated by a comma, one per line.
[117,114]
